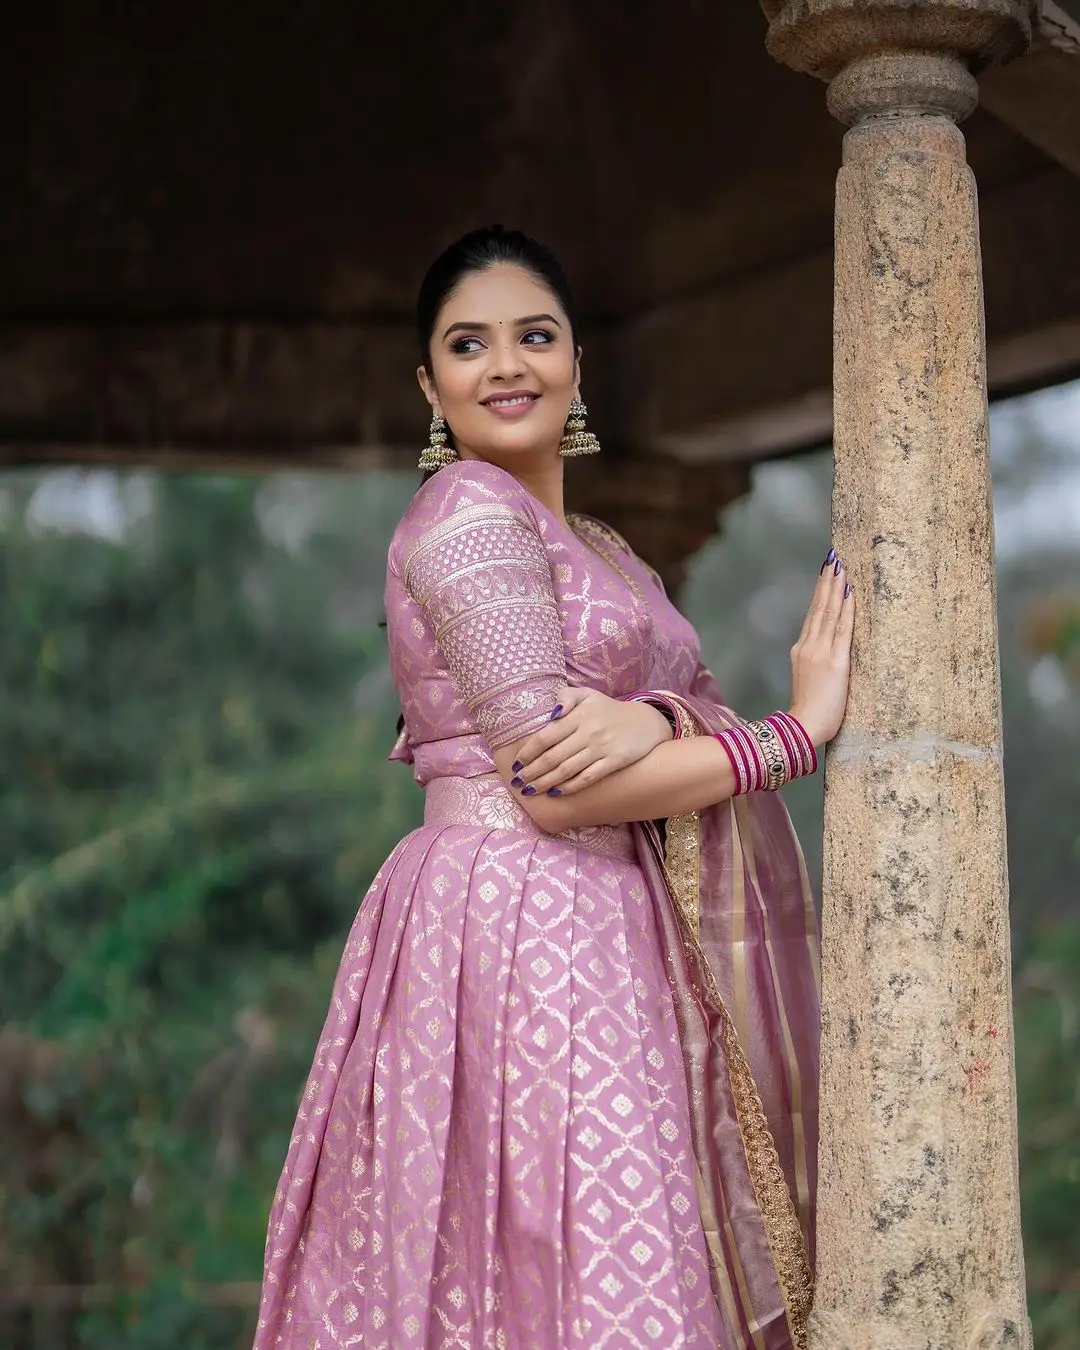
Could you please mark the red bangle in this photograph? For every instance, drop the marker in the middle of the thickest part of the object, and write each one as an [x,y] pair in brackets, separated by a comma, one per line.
[767,754]
[804,756]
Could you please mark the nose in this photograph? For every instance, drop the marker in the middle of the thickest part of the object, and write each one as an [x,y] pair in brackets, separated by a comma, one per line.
[507,359]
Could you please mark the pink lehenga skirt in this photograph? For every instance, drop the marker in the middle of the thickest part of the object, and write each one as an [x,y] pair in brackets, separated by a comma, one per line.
[523,1126]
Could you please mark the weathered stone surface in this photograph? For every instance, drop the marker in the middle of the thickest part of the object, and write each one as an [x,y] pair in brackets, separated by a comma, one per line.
[912,489]
[822,36]
[919,1235]
[887,83]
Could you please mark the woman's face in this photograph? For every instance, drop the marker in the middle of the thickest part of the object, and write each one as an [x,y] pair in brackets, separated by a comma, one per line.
[503,366]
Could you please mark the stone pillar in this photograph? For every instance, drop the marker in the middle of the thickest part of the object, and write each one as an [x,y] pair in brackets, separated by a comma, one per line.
[665,509]
[919,1227]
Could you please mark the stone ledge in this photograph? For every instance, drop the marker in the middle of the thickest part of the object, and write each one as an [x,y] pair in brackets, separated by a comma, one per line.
[857,747]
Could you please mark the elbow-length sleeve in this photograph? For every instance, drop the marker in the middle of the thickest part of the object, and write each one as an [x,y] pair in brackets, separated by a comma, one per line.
[481,578]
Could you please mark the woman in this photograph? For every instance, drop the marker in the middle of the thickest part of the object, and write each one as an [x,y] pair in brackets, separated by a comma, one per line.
[566,1092]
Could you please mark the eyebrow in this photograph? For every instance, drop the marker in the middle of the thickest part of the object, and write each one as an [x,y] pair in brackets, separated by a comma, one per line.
[518,323]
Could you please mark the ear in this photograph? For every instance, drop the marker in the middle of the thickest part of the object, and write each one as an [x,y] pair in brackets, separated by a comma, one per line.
[427,386]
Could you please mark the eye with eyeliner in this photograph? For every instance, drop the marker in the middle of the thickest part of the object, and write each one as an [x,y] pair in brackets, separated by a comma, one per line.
[460,346]
[532,337]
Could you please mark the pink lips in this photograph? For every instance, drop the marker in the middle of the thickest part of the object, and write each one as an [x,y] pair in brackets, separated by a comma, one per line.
[497,403]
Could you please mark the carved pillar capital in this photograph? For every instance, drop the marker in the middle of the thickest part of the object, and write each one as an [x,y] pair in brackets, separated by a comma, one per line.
[884,57]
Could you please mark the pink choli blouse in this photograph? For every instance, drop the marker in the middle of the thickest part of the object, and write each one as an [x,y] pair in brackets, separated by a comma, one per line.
[493,605]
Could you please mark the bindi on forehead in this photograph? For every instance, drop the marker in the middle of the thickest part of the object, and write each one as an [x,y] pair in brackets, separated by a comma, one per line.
[478,325]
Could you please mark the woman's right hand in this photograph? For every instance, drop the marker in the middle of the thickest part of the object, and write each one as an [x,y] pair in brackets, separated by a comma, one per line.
[593,737]
[821,656]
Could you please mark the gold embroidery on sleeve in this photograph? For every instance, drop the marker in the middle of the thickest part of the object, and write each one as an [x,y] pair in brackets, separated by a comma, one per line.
[483,581]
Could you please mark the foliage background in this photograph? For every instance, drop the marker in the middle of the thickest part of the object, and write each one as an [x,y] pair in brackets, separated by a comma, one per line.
[195,797]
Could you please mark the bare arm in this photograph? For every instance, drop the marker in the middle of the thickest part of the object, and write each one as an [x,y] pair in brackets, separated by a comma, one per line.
[691,774]
[676,776]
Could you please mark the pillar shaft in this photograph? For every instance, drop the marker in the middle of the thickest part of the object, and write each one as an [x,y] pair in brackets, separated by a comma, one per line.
[919,1228]
[919,1215]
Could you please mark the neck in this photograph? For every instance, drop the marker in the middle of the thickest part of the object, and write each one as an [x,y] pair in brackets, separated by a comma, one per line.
[541,477]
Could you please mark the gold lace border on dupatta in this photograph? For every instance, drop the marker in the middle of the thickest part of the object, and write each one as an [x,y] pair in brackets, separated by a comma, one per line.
[682,871]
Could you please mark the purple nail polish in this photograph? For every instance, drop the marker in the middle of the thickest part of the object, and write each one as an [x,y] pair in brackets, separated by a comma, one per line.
[556,711]
[516,782]
[530,791]
[838,568]
[517,766]
[829,557]
[554,792]
[848,589]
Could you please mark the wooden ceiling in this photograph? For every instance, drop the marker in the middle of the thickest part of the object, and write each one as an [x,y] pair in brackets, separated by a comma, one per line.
[213,219]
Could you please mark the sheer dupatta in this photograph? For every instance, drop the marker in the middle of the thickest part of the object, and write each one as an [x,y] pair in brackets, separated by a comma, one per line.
[735,907]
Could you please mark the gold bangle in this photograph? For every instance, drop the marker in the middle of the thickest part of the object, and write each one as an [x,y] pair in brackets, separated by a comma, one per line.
[773,752]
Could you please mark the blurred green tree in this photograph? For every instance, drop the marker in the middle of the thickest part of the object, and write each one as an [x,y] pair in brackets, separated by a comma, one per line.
[195,799]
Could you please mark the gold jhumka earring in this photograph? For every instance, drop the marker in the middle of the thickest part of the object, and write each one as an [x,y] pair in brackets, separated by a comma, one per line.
[576,440]
[437,454]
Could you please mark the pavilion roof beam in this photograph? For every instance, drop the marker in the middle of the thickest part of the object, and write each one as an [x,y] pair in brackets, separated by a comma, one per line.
[771,390]
[342,394]
[1038,96]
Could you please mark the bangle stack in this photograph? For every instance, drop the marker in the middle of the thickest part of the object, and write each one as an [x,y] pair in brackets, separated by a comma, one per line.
[767,754]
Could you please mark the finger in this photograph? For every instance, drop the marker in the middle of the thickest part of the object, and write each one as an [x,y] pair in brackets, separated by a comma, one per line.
[817,600]
[592,774]
[810,619]
[568,699]
[834,602]
[551,761]
[830,585]
[561,723]
[541,741]
[846,625]
[564,772]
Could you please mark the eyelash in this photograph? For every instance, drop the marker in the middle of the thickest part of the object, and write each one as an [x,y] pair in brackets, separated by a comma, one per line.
[459,345]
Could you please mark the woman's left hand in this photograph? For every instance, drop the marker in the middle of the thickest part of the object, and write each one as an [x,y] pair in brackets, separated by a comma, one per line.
[593,737]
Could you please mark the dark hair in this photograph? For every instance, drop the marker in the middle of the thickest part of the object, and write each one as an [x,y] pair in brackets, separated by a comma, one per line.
[474,252]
